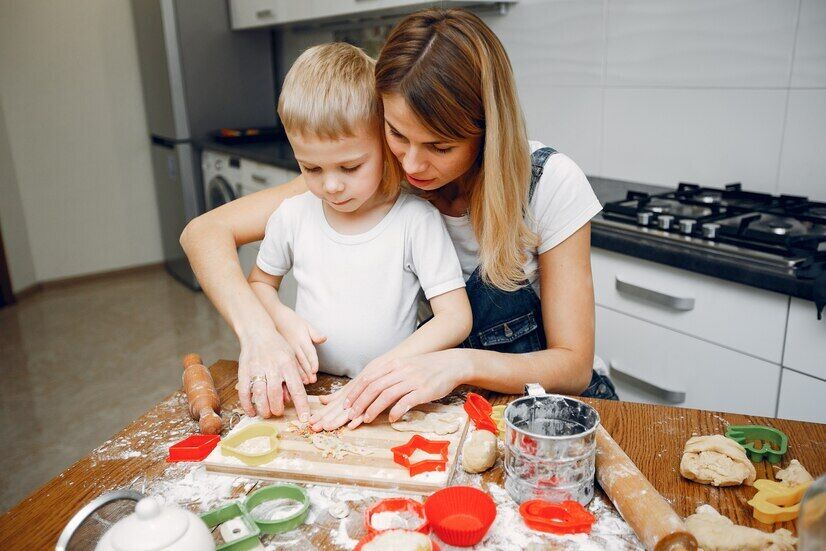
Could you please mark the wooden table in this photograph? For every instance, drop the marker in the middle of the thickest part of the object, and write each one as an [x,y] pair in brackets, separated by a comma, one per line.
[652,436]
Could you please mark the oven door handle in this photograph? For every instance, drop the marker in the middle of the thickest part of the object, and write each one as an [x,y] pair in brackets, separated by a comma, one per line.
[682,304]
[664,394]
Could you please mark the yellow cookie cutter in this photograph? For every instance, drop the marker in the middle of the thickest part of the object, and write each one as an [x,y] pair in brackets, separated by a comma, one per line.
[498,416]
[230,446]
[776,502]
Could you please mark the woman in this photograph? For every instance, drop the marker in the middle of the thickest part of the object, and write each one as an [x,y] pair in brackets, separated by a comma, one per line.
[518,214]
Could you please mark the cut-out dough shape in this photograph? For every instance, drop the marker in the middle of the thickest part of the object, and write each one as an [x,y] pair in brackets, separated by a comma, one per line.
[419,421]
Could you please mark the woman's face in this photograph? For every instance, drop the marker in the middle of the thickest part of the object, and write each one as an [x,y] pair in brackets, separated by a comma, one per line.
[428,162]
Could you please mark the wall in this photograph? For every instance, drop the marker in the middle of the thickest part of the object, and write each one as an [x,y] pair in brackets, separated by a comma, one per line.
[70,91]
[15,235]
[663,91]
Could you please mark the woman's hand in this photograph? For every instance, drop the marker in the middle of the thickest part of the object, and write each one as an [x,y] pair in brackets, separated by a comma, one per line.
[266,368]
[302,337]
[406,383]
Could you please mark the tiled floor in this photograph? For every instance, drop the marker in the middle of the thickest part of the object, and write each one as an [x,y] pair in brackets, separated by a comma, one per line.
[79,363]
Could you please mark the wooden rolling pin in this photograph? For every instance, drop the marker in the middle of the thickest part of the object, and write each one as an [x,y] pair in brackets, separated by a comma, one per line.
[204,404]
[651,517]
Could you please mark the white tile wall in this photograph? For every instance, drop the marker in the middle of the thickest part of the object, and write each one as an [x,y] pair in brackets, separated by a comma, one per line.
[711,136]
[663,91]
[553,43]
[803,162]
[810,49]
[735,43]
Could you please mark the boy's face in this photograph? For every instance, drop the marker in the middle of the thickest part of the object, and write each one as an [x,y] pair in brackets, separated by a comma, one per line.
[344,173]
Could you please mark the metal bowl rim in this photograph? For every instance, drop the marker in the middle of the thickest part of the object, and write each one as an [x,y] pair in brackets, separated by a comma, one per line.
[546,437]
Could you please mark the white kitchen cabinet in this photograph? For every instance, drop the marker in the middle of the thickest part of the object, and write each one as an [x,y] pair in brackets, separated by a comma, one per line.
[249,14]
[263,175]
[805,340]
[750,320]
[652,364]
[802,397]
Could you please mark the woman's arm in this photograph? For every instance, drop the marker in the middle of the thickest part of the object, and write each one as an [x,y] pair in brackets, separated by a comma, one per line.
[210,242]
[567,297]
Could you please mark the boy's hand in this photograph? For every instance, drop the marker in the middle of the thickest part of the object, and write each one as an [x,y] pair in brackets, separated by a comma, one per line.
[333,414]
[302,337]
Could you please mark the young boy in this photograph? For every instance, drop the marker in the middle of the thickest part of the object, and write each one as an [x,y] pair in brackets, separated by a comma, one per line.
[361,250]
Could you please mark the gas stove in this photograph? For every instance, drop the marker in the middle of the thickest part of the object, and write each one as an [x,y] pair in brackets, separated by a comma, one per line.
[784,232]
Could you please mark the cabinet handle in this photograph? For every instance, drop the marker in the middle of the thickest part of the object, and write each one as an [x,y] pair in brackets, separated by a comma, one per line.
[683,304]
[666,395]
[258,179]
[261,14]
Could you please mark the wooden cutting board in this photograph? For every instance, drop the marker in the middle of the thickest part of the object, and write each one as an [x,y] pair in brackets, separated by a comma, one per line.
[298,460]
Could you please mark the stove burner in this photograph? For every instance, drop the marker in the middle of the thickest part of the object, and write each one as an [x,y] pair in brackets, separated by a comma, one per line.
[779,227]
[678,209]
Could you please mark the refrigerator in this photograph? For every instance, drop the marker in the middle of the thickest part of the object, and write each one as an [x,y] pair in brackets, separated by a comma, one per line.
[197,76]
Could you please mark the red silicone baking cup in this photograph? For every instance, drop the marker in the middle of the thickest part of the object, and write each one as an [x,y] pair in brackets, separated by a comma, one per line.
[397,505]
[460,515]
[369,537]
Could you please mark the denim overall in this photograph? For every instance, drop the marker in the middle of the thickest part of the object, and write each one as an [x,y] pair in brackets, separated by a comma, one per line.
[511,321]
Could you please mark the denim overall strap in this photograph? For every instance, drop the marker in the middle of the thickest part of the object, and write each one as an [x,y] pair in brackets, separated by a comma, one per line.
[538,160]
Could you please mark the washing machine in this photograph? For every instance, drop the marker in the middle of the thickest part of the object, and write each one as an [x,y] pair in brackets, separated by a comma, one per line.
[227,178]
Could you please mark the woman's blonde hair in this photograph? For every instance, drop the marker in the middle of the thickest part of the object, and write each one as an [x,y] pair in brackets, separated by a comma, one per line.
[330,93]
[453,72]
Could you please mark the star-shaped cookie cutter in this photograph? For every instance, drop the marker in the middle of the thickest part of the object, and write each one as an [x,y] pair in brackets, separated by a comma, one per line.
[403,453]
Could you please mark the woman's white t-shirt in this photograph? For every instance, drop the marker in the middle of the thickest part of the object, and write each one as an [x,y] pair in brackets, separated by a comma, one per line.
[563,202]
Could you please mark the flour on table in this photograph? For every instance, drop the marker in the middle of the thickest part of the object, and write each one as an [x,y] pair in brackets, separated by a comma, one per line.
[332,445]
[419,421]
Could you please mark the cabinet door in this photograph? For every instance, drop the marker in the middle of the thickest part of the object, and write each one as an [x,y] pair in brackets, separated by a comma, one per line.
[653,364]
[750,320]
[801,397]
[805,340]
[249,14]
[261,175]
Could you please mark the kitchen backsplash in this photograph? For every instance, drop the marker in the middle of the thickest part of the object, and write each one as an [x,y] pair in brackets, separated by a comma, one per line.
[663,91]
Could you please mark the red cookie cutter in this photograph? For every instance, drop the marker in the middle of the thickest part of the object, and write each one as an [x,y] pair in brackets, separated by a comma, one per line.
[193,448]
[568,517]
[479,410]
[402,454]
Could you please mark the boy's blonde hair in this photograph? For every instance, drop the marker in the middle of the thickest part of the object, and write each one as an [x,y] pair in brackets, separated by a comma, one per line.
[330,93]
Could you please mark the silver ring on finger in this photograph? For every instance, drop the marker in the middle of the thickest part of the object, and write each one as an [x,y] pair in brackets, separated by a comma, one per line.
[257,379]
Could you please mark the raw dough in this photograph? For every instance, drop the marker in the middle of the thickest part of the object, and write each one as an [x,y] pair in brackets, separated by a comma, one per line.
[419,421]
[332,445]
[714,532]
[479,452]
[794,474]
[716,460]
[399,540]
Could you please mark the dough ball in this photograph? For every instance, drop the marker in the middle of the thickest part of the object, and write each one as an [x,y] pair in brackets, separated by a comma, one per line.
[716,460]
[399,540]
[714,532]
[794,474]
[479,452]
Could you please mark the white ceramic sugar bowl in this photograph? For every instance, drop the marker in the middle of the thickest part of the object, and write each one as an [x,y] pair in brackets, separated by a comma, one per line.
[152,527]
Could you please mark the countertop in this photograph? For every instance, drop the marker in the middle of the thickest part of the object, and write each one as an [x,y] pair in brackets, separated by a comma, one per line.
[652,436]
[647,247]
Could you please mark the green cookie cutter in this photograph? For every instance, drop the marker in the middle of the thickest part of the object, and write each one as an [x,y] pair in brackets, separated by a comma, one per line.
[223,514]
[279,491]
[746,435]
[230,446]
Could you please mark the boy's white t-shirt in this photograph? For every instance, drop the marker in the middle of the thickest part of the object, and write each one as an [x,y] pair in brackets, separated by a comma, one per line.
[563,202]
[360,291]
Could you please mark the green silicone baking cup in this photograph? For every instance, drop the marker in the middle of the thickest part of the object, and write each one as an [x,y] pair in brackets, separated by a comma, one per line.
[279,491]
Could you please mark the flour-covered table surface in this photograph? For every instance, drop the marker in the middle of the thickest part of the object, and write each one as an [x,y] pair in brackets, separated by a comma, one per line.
[652,436]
